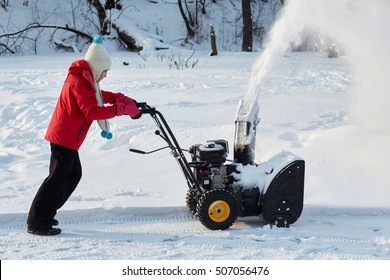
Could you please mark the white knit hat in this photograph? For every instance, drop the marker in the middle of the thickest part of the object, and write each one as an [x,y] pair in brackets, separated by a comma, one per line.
[97,57]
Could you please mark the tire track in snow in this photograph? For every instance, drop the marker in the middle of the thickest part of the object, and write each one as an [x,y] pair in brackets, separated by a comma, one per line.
[173,233]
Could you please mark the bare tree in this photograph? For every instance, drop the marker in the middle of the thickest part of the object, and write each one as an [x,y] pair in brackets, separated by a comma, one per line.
[101,13]
[66,35]
[190,11]
[187,17]
[104,15]
[213,42]
[72,26]
[203,5]
[14,39]
[247,39]
[4,4]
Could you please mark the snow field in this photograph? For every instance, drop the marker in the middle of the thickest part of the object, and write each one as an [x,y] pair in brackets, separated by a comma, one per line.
[131,206]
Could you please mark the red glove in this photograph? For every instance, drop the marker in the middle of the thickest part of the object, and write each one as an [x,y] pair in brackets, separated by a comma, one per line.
[120,97]
[131,110]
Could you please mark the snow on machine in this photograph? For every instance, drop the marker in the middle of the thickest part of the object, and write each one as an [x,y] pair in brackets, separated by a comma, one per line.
[220,190]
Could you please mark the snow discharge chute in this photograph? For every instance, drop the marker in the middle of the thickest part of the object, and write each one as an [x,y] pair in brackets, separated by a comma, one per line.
[245,131]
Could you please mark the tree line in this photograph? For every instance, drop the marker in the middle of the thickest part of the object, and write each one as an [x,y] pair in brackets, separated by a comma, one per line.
[96,18]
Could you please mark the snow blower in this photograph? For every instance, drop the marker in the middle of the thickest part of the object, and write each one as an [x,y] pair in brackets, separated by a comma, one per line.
[218,190]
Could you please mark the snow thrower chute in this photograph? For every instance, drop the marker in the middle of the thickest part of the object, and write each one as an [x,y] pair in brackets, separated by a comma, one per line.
[245,133]
[219,192]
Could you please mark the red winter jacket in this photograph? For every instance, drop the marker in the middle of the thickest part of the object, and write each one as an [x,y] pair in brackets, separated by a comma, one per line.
[77,107]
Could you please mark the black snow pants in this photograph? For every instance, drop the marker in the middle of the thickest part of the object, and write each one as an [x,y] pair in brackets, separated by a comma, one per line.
[64,176]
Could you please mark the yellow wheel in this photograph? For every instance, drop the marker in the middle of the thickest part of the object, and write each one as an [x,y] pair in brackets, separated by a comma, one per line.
[217,209]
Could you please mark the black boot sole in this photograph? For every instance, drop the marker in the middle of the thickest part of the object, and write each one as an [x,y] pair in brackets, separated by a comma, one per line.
[49,231]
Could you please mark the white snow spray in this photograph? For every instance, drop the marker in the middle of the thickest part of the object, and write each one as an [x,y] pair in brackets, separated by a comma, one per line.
[279,38]
[361,28]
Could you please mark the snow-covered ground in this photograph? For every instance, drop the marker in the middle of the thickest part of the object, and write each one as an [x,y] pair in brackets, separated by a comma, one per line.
[131,206]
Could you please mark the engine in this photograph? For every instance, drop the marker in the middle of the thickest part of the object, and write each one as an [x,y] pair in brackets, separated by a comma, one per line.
[208,161]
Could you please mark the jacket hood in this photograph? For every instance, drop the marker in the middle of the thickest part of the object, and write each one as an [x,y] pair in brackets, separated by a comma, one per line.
[81,67]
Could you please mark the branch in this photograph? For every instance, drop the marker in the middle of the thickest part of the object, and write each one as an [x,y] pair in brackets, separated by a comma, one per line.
[38,25]
[7,48]
[189,58]
[190,32]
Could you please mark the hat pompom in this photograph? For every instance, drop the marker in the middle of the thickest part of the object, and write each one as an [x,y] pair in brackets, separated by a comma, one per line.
[98,39]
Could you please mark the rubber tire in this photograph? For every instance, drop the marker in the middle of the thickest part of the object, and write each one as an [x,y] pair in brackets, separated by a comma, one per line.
[191,201]
[207,200]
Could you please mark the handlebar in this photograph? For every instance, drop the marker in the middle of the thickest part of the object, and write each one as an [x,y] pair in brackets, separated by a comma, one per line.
[166,133]
[145,108]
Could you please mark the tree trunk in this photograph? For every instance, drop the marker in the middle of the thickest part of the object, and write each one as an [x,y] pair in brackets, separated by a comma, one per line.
[101,15]
[213,42]
[190,32]
[128,40]
[203,4]
[247,39]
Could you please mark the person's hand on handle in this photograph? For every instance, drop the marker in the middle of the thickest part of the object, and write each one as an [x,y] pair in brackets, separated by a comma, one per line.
[131,110]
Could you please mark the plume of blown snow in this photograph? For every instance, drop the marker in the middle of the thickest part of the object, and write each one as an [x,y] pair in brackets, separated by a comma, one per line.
[361,28]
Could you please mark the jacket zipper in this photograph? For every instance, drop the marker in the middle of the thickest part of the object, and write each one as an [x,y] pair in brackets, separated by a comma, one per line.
[78,134]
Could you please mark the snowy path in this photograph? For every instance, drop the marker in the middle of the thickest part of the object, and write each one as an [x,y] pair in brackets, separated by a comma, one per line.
[131,206]
[173,233]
